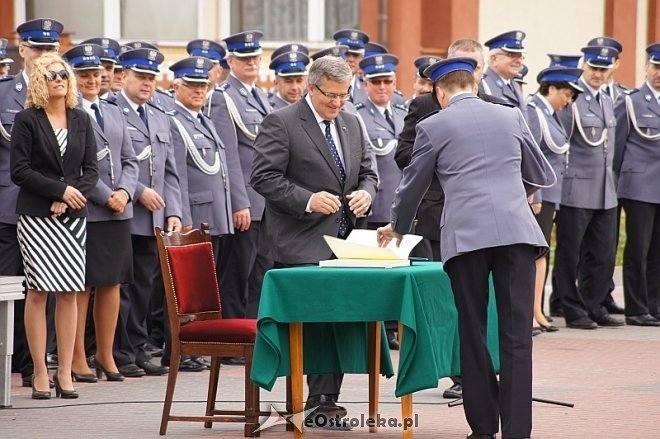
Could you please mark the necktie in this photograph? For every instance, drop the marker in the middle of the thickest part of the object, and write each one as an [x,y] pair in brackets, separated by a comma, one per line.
[99,118]
[598,97]
[256,96]
[203,122]
[143,115]
[343,222]
[607,90]
[388,118]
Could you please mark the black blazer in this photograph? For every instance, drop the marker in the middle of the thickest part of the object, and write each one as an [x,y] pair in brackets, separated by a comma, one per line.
[37,167]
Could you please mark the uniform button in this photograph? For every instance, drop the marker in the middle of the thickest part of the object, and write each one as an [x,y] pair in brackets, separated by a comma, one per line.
[337,220]
[61,178]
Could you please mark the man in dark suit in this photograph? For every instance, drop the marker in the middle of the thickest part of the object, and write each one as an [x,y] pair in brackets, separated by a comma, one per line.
[311,166]
[488,229]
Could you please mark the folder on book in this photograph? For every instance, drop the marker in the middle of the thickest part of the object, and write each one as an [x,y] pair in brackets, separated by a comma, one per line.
[360,249]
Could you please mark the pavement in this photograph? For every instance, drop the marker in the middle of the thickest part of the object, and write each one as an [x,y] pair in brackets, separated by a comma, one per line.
[612,375]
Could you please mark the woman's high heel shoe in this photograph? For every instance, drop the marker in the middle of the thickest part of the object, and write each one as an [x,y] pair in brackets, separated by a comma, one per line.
[84,378]
[110,376]
[60,392]
[38,394]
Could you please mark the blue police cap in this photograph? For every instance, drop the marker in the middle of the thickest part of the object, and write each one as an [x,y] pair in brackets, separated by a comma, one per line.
[338,51]
[519,78]
[206,48]
[290,64]
[244,44]
[564,60]
[422,62]
[293,47]
[379,65]
[193,69]
[508,42]
[353,38]
[142,60]
[3,52]
[599,56]
[561,74]
[653,52]
[84,57]
[607,42]
[443,67]
[41,32]
[110,48]
[371,49]
[141,45]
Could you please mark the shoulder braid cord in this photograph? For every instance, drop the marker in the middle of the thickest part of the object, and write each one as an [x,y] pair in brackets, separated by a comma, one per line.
[100,155]
[236,117]
[4,133]
[378,150]
[547,137]
[578,124]
[147,154]
[633,120]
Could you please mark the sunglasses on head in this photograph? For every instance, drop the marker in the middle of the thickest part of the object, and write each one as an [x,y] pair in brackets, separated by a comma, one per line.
[377,81]
[51,75]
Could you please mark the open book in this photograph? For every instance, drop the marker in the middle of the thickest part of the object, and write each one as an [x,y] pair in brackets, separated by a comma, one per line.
[361,249]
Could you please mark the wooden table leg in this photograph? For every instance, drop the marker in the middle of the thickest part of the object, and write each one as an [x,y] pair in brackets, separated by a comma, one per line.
[406,400]
[296,359]
[374,372]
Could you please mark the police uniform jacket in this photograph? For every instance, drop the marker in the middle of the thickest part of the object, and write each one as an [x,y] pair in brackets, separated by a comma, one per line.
[117,163]
[551,136]
[493,84]
[382,137]
[251,115]
[13,92]
[637,157]
[276,102]
[589,182]
[206,196]
[157,172]
[486,178]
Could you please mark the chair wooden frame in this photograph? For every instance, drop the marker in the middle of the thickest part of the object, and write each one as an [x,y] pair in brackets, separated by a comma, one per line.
[250,414]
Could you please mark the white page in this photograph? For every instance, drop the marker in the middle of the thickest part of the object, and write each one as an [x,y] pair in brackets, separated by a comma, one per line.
[362,244]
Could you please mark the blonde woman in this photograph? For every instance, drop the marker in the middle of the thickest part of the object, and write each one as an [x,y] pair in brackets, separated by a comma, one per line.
[53,161]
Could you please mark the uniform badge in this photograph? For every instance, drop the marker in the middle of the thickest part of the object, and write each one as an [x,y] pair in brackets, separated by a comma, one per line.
[105,42]
[433,60]
[206,44]
[199,63]
[354,35]
[152,55]
[379,60]
[293,57]
[19,86]
[249,38]
[47,25]
[600,41]
[647,97]
[588,98]
[87,50]
[604,52]
[294,47]
[137,45]
[243,91]
[519,36]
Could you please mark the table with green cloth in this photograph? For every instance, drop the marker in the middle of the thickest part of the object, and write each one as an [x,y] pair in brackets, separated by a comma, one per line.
[418,296]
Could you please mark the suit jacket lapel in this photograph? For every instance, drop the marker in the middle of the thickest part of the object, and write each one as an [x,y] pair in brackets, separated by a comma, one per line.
[50,138]
[313,130]
[398,123]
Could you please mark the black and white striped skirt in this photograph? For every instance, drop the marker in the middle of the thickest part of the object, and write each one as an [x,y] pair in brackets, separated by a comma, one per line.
[53,251]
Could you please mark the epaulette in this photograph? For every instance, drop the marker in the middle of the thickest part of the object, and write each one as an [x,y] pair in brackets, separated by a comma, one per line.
[427,115]
[621,86]
[164,92]
[111,99]
[630,91]
[171,113]
[399,92]
[7,78]
[531,104]
[401,107]
[358,106]
[108,101]
[153,105]
[222,87]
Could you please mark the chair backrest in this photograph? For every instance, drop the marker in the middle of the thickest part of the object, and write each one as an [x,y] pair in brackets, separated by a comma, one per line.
[189,276]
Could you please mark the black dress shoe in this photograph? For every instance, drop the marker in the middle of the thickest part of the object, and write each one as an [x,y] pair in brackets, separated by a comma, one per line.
[39,394]
[454,392]
[203,361]
[326,405]
[51,361]
[153,350]
[84,377]
[613,308]
[131,371]
[233,361]
[480,436]
[392,341]
[656,316]
[63,393]
[188,365]
[548,328]
[582,323]
[153,369]
[642,320]
[607,320]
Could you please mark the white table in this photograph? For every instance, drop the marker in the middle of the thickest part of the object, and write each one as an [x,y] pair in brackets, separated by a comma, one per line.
[11,288]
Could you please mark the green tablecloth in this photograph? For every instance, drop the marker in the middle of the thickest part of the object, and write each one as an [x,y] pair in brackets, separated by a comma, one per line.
[419,296]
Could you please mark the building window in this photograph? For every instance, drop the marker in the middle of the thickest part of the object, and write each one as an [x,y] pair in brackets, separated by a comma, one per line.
[83,18]
[341,14]
[159,20]
[279,20]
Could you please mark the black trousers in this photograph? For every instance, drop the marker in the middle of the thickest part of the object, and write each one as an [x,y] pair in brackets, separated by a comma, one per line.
[131,335]
[325,384]
[641,258]
[485,402]
[584,234]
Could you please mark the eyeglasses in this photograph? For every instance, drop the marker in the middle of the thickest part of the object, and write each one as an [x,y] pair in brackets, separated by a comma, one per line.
[51,75]
[332,96]
[195,85]
[379,81]
[513,55]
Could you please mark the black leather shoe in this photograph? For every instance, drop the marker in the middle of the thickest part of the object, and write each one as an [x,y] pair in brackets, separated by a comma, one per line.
[203,361]
[480,436]
[548,328]
[233,361]
[188,365]
[607,320]
[131,371]
[51,361]
[612,307]
[84,377]
[153,369]
[326,405]
[62,393]
[153,350]
[642,320]
[39,394]
[392,341]
[454,392]
[656,316]
[582,323]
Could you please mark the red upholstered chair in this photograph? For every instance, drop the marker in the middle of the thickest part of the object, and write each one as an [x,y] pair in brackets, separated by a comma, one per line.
[193,302]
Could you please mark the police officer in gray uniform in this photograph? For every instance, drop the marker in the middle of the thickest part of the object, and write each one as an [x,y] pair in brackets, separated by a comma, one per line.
[637,162]
[157,202]
[290,77]
[504,63]
[108,61]
[586,221]
[36,37]
[611,87]
[5,61]
[487,229]
[355,41]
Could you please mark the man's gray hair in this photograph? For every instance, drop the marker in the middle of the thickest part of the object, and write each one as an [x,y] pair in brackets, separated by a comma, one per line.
[329,67]
[464,45]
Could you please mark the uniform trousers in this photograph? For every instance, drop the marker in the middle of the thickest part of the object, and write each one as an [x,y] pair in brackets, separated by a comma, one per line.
[584,235]
[641,258]
[131,336]
[485,401]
